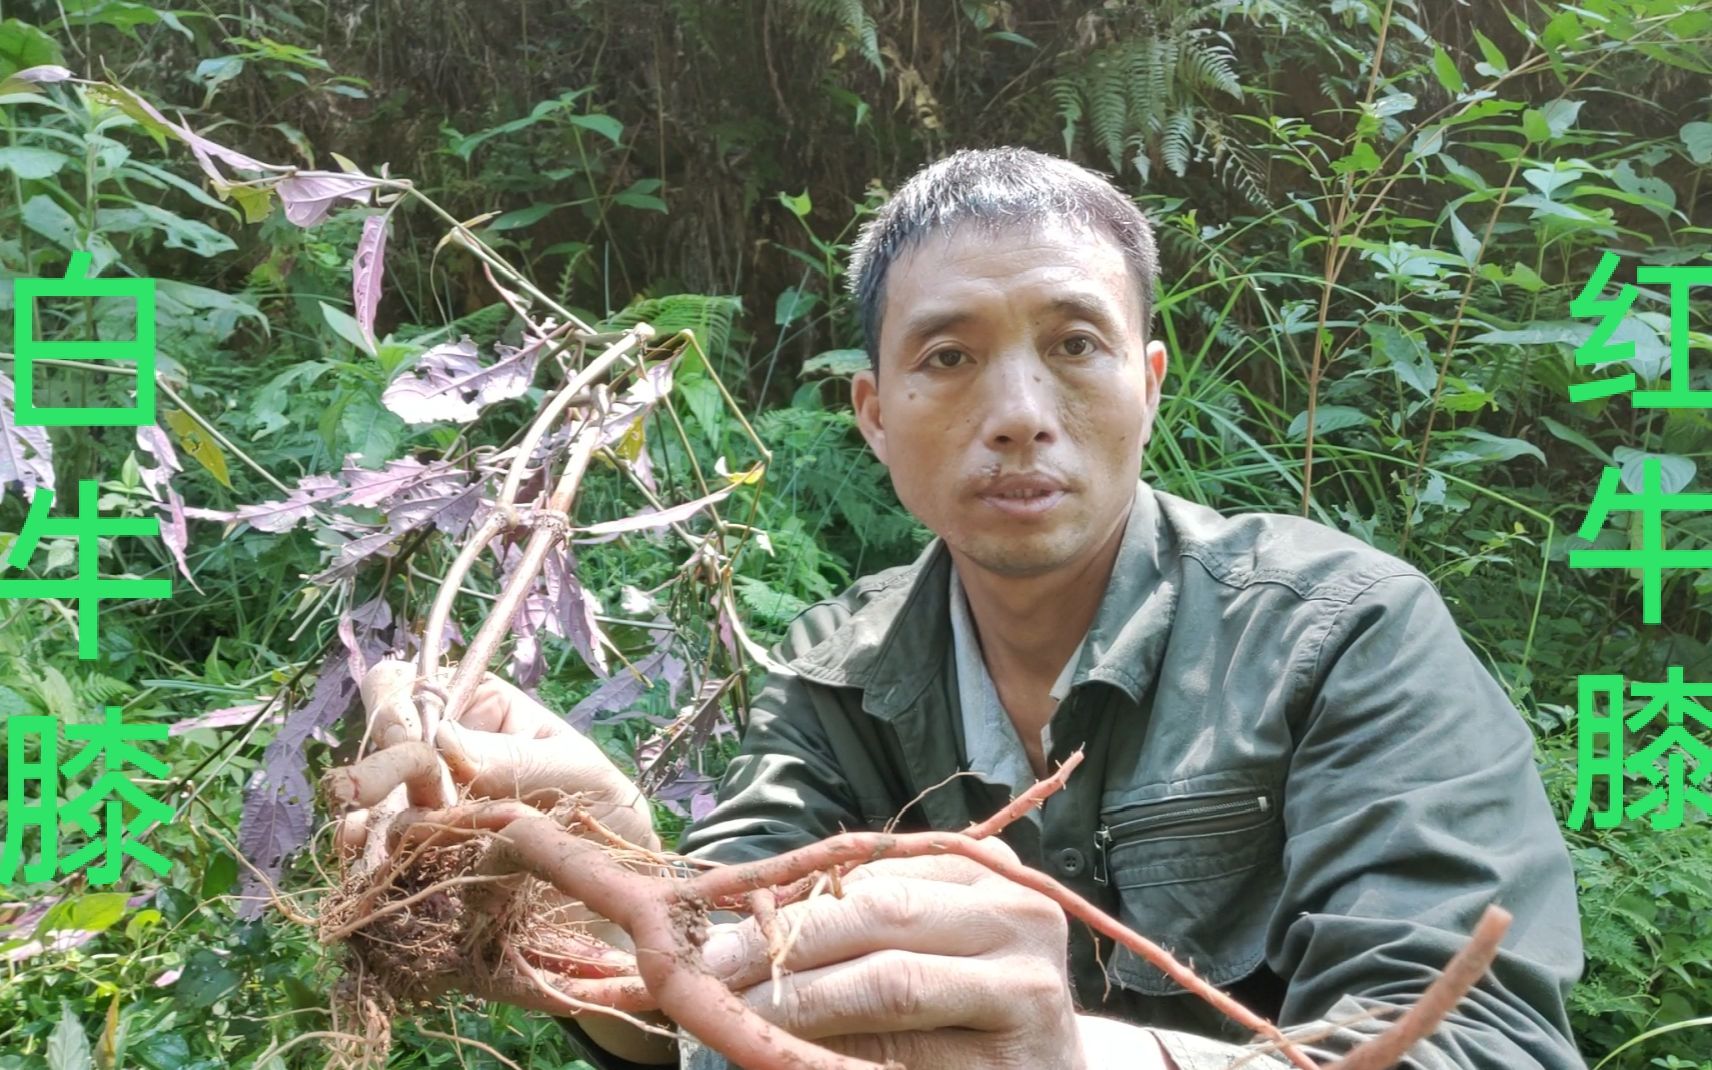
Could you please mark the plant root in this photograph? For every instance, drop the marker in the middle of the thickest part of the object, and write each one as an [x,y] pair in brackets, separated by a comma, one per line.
[489,899]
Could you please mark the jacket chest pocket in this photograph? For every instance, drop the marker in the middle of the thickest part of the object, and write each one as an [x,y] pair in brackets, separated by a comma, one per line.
[1198,873]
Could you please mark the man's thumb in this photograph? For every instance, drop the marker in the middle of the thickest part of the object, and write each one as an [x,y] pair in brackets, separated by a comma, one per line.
[490,763]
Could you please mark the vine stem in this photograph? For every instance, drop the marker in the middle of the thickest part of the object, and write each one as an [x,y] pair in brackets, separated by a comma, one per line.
[550,524]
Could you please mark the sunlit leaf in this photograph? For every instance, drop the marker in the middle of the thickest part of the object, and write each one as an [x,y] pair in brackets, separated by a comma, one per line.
[200,445]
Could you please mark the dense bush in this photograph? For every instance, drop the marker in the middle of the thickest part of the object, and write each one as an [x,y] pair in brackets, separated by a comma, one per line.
[1374,217]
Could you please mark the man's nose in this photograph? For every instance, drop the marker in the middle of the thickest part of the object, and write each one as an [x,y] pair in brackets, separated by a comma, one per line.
[1020,402]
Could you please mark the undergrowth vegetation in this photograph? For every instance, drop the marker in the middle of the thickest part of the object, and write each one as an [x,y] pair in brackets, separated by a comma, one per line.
[1373,217]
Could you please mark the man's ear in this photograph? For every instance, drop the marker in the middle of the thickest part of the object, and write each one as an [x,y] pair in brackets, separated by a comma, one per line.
[1156,357]
[1154,361]
[865,399]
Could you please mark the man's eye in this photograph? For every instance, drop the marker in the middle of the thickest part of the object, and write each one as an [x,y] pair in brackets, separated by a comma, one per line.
[1083,344]
[938,358]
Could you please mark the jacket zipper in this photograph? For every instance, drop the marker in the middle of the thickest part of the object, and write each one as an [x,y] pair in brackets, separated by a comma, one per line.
[1170,813]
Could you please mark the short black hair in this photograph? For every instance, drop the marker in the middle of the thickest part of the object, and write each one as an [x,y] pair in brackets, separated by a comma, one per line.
[997,188]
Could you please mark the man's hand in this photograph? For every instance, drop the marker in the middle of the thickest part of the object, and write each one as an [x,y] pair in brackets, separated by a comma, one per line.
[504,746]
[932,962]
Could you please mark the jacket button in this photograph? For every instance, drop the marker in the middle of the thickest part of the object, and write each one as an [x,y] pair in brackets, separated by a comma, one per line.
[1070,861]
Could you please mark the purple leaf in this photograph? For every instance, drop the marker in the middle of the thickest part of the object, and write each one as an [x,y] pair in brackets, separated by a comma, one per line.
[225,717]
[367,269]
[206,151]
[309,195]
[414,494]
[450,383]
[662,518]
[278,803]
[41,75]
[174,534]
[405,477]
[26,454]
[726,638]
[624,687]
[685,735]
[297,506]
[373,619]
[528,665]
[642,395]
[574,610]
[151,439]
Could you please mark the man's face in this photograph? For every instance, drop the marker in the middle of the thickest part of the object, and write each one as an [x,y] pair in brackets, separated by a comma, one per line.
[1015,392]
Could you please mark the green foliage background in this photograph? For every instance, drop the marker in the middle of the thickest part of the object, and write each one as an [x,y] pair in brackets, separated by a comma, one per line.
[1376,211]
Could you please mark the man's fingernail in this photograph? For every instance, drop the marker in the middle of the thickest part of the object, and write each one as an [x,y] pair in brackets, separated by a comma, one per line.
[723,953]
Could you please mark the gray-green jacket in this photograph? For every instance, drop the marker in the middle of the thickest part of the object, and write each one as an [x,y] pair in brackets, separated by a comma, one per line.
[1298,778]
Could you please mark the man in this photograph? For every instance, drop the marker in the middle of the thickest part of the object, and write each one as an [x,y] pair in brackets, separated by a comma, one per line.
[1298,777]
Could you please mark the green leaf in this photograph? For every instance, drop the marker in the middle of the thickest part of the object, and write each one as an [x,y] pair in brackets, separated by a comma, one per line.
[1535,127]
[1560,116]
[767,603]
[216,71]
[1326,418]
[836,362]
[12,703]
[141,922]
[799,205]
[1476,446]
[705,403]
[1697,139]
[1495,64]
[373,430]
[1575,438]
[181,233]
[1361,160]
[22,45]
[604,125]
[1675,472]
[30,162]
[1527,278]
[161,1051]
[222,871]
[1406,355]
[68,1045]
[1652,355]
[1444,69]
[92,912]
[640,194]
[1393,104]
[1653,194]
[793,304]
[1549,180]
[523,217]
[1466,243]
[205,981]
[345,326]
[44,215]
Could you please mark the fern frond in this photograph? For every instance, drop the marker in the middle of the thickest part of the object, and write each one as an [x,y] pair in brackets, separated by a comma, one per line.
[709,316]
[1067,99]
[1108,107]
[852,17]
[1211,66]
[1175,146]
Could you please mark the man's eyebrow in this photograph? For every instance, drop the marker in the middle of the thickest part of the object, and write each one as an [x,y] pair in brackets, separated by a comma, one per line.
[930,323]
[1087,307]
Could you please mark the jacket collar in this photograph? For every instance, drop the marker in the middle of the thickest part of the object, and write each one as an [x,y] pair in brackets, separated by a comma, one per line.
[896,644]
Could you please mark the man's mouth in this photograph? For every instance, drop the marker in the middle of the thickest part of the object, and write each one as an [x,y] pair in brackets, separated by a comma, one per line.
[1023,495]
